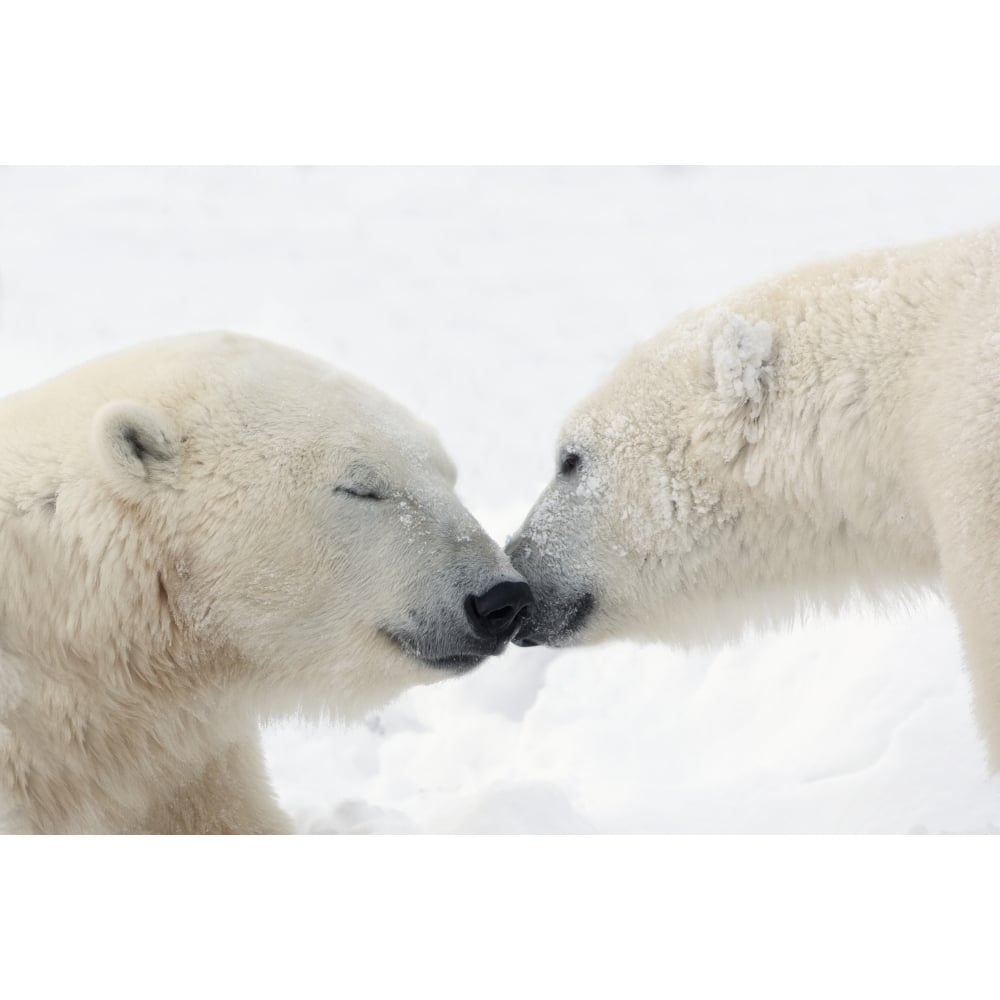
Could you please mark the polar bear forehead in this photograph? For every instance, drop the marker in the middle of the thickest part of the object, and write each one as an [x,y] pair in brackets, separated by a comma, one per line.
[372,423]
[297,398]
[633,405]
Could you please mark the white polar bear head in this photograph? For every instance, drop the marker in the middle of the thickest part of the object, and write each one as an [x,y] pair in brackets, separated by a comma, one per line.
[652,472]
[230,511]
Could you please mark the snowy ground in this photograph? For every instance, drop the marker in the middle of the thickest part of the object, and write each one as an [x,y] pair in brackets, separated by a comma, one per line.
[489,301]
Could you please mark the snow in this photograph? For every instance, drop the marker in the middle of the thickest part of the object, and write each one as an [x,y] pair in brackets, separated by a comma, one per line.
[489,301]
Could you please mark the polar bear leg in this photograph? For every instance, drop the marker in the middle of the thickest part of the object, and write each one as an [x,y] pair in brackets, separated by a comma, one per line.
[231,795]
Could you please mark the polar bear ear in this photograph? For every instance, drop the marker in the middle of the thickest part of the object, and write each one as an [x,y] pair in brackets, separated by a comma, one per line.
[133,443]
[740,359]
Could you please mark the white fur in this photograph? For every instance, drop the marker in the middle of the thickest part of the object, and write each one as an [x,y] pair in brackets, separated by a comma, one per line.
[833,430]
[178,562]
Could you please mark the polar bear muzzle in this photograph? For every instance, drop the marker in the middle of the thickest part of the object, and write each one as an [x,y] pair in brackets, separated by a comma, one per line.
[492,619]
[554,621]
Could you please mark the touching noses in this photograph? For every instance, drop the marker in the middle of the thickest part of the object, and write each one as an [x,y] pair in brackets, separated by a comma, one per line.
[499,611]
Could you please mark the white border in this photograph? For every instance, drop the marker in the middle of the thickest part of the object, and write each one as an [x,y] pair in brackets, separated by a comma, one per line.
[504,917]
[444,81]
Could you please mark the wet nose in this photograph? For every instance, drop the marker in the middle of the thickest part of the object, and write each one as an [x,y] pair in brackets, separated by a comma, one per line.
[497,613]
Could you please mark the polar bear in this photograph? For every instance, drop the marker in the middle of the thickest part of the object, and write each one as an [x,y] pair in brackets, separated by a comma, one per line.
[201,532]
[834,430]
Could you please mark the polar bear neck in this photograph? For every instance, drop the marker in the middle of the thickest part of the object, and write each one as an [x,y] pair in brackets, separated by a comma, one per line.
[74,760]
[850,351]
[836,479]
[93,728]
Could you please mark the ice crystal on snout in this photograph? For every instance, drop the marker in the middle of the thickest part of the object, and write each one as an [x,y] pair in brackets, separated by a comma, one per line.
[590,486]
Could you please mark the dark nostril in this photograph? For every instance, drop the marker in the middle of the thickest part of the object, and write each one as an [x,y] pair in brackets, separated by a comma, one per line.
[496,612]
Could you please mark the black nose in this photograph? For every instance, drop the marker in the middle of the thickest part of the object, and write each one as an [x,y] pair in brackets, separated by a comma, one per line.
[498,612]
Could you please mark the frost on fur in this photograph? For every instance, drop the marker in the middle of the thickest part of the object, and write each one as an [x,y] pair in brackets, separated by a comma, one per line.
[741,354]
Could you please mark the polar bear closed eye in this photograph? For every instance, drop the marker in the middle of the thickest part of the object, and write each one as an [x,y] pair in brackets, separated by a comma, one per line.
[833,429]
[202,532]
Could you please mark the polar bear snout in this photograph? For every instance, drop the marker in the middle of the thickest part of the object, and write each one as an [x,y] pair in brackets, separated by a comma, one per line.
[499,612]
[564,599]
[555,621]
[491,620]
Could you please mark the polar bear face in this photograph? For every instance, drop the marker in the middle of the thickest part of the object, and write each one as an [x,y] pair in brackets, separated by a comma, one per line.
[641,512]
[284,525]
